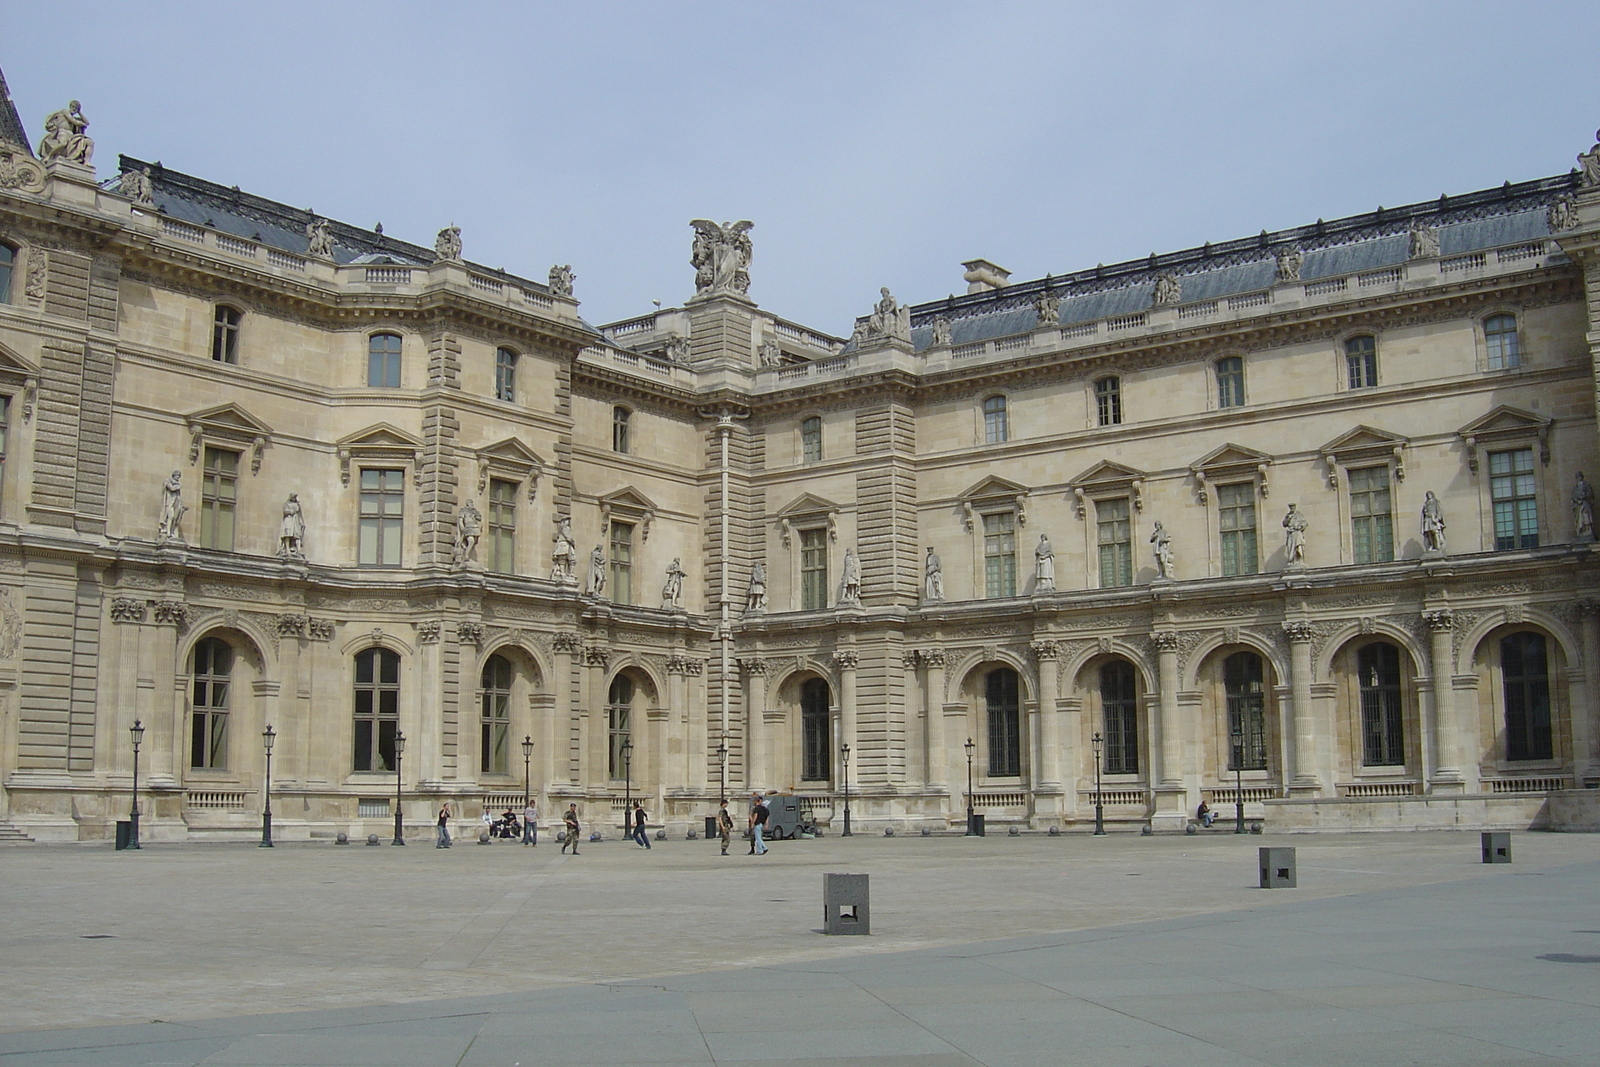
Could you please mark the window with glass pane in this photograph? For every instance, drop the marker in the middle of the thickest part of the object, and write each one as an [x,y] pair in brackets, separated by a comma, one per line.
[1230,382]
[383,497]
[501,525]
[1003,711]
[494,755]
[225,334]
[1361,361]
[995,428]
[1115,535]
[1516,508]
[619,720]
[208,735]
[505,374]
[1108,401]
[1371,523]
[1525,680]
[620,419]
[1119,712]
[1382,734]
[1242,682]
[219,497]
[1000,555]
[622,563]
[5,437]
[1236,517]
[8,261]
[1505,347]
[813,569]
[811,440]
[383,361]
[377,716]
[815,729]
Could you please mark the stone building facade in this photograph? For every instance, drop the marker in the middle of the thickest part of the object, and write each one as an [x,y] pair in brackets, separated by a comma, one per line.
[1299,518]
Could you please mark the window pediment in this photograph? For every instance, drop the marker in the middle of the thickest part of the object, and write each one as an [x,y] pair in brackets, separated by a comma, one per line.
[1106,478]
[627,505]
[808,509]
[229,424]
[1505,425]
[1230,463]
[512,460]
[1364,446]
[991,492]
[21,376]
[380,443]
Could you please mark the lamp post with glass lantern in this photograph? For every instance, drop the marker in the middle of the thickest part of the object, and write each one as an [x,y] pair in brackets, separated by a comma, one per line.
[845,749]
[969,746]
[267,737]
[627,784]
[527,758]
[399,750]
[136,731]
[722,765]
[1099,808]
[1238,777]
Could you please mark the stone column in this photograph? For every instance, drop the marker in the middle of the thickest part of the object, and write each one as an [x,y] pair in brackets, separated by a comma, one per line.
[161,753]
[1583,711]
[1305,780]
[846,661]
[938,760]
[593,770]
[1446,776]
[558,724]
[757,740]
[1171,762]
[1048,777]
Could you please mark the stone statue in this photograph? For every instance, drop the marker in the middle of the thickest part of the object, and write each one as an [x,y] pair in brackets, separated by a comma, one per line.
[1294,525]
[720,256]
[1583,509]
[564,558]
[771,354]
[1562,214]
[469,527]
[672,592]
[755,598]
[1432,524]
[64,137]
[852,578]
[561,279]
[941,332]
[1168,290]
[1288,260]
[319,242]
[1163,543]
[679,350]
[447,245]
[933,577]
[1424,240]
[171,526]
[292,531]
[597,572]
[890,319]
[1044,566]
[1047,306]
[1588,163]
[137,186]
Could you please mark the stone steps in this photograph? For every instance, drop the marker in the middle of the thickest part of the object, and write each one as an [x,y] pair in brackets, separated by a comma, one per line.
[10,835]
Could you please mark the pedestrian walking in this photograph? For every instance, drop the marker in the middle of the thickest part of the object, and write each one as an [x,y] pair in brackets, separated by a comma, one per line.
[724,826]
[641,836]
[571,821]
[443,838]
[530,824]
[758,823]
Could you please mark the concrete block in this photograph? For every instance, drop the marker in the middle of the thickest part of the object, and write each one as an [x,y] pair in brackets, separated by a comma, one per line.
[1277,868]
[845,904]
[1496,846]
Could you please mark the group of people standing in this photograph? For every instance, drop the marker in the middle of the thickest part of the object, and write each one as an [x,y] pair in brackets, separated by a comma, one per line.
[636,823]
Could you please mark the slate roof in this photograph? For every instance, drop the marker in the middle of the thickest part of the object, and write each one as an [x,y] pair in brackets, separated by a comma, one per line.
[10,124]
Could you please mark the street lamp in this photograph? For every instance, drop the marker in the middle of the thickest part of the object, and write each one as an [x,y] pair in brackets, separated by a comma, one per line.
[267,737]
[399,750]
[846,750]
[627,783]
[137,732]
[722,762]
[1238,777]
[969,746]
[527,756]
[1099,808]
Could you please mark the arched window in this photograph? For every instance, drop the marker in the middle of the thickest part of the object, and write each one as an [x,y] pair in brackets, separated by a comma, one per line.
[1525,678]
[619,722]
[505,374]
[1230,382]
[208,739]
[225,334]
[1108,401]
[1119,712]
[377,713]
[383,361]
[1378,677]
[8,262]
[811,440]
[816,731]
[1243,682]
[1361,361]
[1505,347]
[996,426]
[1003,711]
[620,417]
[494,755]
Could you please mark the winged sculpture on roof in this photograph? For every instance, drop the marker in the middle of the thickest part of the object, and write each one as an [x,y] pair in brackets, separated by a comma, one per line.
[721,256]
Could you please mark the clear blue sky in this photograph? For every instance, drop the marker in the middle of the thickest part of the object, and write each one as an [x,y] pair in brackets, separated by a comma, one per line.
[871,143]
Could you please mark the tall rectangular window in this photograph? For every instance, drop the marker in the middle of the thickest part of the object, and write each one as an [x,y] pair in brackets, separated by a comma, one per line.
[494,721]
[996,427]
[225,334]
[8,260]
[1236,515]
[1371,522]
[1525,681]
[1516,508]
[383,361]
[5,436]
[621,430]
[1119,712]
[1004,712]
[502,526]
[1242,681]
[622,563]
[815,720]
[219,497]
[1115,535]
[1505,347]
[377,711]
[1361,361]
[999,555]
[1108,401]
[619,727]
[208,732]
[383,496]
[1378,676]
[811,440]
[813,569]
[1230,382]
[505,374]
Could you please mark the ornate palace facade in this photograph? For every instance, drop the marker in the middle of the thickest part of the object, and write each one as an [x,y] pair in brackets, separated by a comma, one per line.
[1299,515]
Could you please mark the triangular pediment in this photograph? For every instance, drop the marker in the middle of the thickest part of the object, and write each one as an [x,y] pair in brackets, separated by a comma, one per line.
[807,504]
[512,452]
[1364,437]
[627,498]
[14,366]
[1107,472]
[380,435]
[225,417]
[994,486]
[1228,456]
[1504,420]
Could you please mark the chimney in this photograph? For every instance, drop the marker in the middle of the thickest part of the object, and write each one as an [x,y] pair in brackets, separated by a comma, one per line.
[983,276]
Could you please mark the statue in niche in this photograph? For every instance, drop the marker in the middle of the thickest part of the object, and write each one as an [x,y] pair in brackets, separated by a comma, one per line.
[319,242]
[941,332]
[447,245]
[755,598]
[1294,527]
[720,256]
[1432,524]
[137,186]
[889,319]
[469,527]
[564,558]
[1168,290]
[672,592]
[1588,164]
[1562,214]
[1163,548]
[1047,306]
[561,279]
[292,530]
[1424,240]
[1288,263]
[932,577]
[597,572]
[852,578]
[1583,509]
[170,527]
[64,137]
[1044,566]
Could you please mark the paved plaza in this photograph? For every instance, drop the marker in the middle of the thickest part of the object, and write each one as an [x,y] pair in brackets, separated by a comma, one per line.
[1395,949]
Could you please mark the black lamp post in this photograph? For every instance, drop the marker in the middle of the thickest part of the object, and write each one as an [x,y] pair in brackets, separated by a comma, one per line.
[1099,808]
[527,757]
[136,731]
[267,737]
[627,784]
[845,749]
[969,746]
[1238,779]
[399,750]
[722,763]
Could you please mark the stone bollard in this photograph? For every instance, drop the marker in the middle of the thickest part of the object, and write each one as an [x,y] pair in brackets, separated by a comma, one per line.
[372,839]
[1012,831]
[1277,867]
[341,838]
[1496,846]
[690,836]
[1054,831]
[483,837]
[845,903]
[661,835]
[888,831]
[927,832]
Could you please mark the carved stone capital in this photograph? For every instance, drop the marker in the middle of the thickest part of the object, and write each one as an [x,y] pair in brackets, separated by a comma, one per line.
[569,643]
[684,665]
[1439,621]
[931,657]
[1299,631]
[127,609]
[1165,640]
[846,661]
[319,629]
[1046,650]
[173,611]
[597,656]
[469,633]
[291,625]
[753,666]
[428,632]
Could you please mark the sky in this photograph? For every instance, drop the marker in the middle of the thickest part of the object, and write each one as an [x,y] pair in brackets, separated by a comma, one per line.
[871,143]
